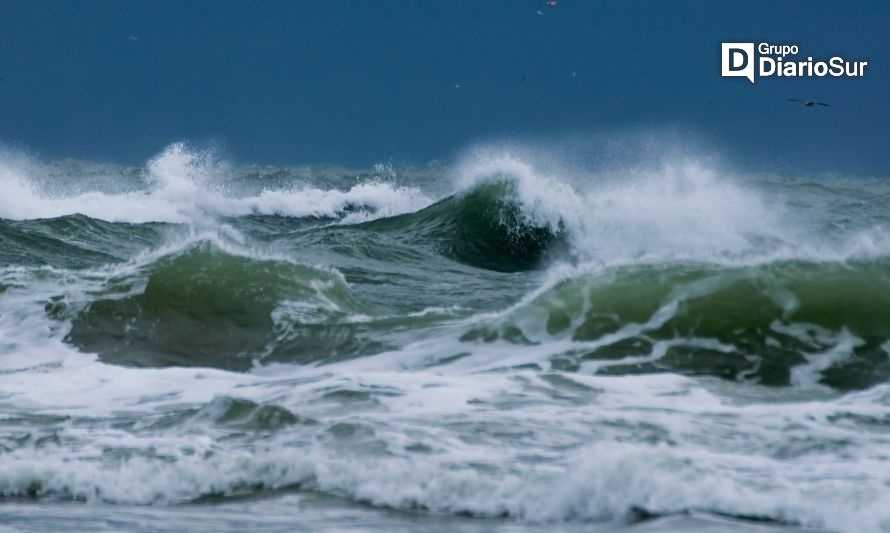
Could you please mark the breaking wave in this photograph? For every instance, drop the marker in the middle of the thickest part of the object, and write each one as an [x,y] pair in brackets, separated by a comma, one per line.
[183,185]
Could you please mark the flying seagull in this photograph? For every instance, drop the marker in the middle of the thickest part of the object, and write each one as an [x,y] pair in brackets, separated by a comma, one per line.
[809,103]
[550,3]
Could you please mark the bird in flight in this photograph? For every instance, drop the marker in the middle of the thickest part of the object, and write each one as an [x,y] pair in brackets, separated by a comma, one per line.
[809,103]
[550,3]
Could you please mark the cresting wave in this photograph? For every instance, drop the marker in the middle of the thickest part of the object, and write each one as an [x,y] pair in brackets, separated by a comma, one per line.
[789,323]
[203,307]
[524,341]
[184,186]
[676,210]
[486,227]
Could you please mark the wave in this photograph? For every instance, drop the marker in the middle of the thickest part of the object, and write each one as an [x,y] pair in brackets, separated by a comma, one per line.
[205,307]
[678,210]
[183,185]
[73,241]
[508,214]
[787,323]
[598,481]
[485,227]
[798,323]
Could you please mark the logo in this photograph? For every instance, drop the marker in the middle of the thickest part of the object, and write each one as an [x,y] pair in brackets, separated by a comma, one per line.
[777,61]
[738,60]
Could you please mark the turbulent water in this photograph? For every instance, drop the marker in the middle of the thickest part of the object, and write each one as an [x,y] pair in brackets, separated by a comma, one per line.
[501,343]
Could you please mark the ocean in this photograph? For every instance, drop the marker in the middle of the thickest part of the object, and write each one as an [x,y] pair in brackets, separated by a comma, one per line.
[503,342]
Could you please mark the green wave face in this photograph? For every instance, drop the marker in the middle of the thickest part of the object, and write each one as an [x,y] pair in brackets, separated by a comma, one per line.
[207,308]
[775,325]
[484,228]
[73,241]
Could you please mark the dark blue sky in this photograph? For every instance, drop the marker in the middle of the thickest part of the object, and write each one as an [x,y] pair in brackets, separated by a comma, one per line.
[362,81]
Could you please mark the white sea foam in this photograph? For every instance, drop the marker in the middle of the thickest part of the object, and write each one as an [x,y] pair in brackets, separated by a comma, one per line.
[182,187]
[544,460]
[678,209]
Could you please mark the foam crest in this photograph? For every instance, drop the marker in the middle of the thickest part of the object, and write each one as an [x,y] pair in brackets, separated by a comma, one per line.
[679,209]
[682,212]
[546,200]
[380,199]
[182,185]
